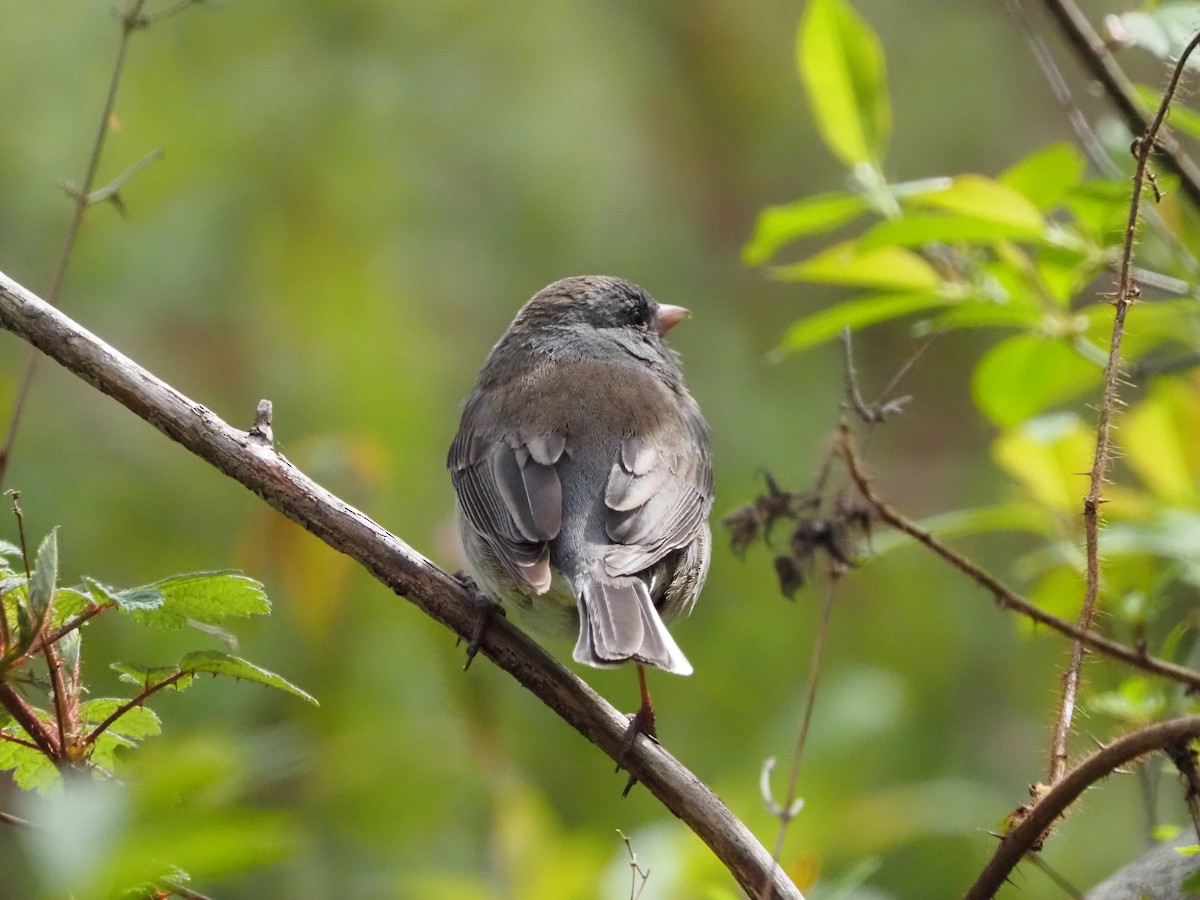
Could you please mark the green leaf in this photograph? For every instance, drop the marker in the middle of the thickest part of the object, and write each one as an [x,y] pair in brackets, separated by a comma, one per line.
[1138,700]
[916,229]
[31,769]
[223,664]
[1026,374]
[8,548]
[885,268]
[854,314]
[978,197]
[207,597]
[779,225]
[45,576]
[842,67]
[68,602]
[1045,176]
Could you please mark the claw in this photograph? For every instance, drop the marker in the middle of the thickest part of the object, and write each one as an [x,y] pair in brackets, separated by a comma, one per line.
[488,608]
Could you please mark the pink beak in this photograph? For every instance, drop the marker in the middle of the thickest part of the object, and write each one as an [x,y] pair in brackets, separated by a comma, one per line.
[670,316]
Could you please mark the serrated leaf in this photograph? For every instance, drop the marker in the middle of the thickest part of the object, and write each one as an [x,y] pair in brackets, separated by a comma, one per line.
[101,593]
[208,597]
[223,664]
[979,197]
[1045,176]
[8,548]
[842,67]
[779,225]
[44,577]
[139,599]
[883,268]
[855,314]
[1026,375]
[68,602]
[31,769]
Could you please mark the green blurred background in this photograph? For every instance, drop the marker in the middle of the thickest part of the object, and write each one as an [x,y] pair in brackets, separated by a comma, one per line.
[354,200]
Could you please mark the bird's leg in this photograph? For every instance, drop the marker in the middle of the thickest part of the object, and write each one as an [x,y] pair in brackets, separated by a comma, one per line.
[487,608]
[641,722]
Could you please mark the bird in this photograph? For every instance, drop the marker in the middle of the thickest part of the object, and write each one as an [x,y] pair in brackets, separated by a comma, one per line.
[584,478]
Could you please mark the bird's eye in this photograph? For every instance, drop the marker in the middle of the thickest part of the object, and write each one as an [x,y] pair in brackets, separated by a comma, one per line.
[640,316]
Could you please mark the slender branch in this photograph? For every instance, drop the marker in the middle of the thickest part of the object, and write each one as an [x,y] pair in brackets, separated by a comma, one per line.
[258,467]
[13,739]
[1099,62]
[1005,597]
[1040,815]
[1126,294]
[129,24]
[787,810]
[145,694]
[62,631]
[16,821]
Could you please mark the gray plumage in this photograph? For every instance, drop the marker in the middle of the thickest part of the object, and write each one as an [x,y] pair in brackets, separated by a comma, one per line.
[584,476]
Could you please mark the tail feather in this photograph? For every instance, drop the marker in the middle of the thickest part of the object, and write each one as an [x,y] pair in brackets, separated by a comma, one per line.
[618,623]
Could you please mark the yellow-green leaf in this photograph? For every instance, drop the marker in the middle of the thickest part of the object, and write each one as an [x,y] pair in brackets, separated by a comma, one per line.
[1048,456]
[1025,375]
[1045,176]
[842,67]
[885,268]
[979,197]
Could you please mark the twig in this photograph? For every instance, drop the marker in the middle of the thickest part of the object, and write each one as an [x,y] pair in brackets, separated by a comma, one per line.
[269,475]
[1099,62]
[788,810]
[141,698]
[131,20]
[13,739]
[1047,808]
[1125,296]
[1005,597]
[62,631]
[637,875]
[16,821]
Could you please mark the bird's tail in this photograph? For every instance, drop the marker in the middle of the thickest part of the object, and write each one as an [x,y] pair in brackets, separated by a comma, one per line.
[618,623]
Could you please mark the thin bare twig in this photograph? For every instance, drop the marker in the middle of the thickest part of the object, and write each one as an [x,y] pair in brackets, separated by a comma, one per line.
[131,20]
[1005,597]
[1126,294]
[1049,806]
[789,808]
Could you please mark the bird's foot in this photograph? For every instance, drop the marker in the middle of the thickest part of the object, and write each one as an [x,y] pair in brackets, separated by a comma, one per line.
[487,608]
[641,722]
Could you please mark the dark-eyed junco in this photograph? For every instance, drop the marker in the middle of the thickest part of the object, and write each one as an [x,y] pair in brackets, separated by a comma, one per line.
[584,476]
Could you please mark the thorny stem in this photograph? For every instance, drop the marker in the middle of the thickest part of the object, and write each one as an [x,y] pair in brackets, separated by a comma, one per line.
[1005,597]
[1184,757]
[1047,808]
[1126,294]
[27,718]
[786,809]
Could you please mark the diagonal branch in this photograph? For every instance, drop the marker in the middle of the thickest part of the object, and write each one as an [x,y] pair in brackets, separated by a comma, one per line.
[258,467]
[1004,596]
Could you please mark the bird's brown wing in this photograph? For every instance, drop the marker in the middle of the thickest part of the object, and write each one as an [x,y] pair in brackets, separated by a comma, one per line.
[658,495]
[511,494]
